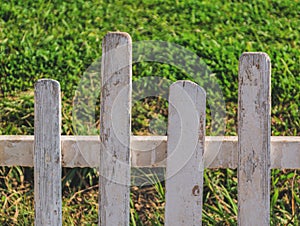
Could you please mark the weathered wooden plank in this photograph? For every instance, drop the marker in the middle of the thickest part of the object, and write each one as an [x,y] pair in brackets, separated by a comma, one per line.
[254,133]
[115,129]
[186,135]
[285,152]
[146,151]
[47,153]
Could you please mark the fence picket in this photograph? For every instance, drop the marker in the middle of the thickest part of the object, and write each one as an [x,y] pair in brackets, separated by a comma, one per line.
[254,139]
[115,128]
[47,153]
[186,137]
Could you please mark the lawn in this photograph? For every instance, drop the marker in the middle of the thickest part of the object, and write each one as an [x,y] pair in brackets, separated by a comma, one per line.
[61,39]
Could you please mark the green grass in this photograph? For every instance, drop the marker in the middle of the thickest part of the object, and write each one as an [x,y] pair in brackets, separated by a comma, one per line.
[60,39]
[80,204]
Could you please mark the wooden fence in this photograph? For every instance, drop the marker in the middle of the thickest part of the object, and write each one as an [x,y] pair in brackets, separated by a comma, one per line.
[183,152]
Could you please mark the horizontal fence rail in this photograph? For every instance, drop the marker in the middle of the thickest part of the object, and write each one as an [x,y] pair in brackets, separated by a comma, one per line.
[147,151]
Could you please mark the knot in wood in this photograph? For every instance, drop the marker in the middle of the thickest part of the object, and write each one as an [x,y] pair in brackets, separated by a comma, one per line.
[196,190]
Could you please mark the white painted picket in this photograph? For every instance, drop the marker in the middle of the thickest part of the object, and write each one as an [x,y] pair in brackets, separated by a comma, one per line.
[115,129]
[47,153]
[183,151]
[254,134]
[186,141]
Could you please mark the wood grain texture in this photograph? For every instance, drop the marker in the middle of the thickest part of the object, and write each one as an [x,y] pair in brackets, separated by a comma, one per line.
[186,140]
[146,151]
[47,153]
[254,139]
[115,129]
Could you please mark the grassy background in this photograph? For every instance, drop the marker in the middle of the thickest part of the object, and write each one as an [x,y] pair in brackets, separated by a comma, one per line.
[60,39]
